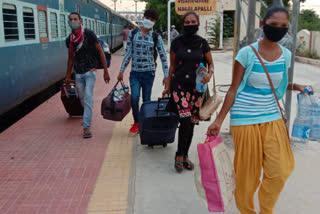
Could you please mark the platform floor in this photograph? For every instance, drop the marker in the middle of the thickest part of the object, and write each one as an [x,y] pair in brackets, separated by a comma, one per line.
[47,167]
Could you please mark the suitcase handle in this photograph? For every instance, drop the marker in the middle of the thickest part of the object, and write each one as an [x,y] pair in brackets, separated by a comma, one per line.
[158,107]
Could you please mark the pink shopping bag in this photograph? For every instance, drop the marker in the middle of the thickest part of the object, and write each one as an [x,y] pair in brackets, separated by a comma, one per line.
[214,174]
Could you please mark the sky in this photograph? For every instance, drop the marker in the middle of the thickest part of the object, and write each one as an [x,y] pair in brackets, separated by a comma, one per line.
[129,5]
[125,5]
[312,4]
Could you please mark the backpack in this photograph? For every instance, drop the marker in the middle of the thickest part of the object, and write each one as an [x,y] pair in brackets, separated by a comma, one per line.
[107,53]
[155,42]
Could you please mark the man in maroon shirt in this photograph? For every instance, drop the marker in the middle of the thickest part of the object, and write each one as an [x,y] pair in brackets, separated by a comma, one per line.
[125,34]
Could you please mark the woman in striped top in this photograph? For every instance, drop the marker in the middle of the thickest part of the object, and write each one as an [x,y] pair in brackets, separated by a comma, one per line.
[259,133]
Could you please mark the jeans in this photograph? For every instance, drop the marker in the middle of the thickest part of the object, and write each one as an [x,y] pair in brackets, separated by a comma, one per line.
[85,85]
[140,80]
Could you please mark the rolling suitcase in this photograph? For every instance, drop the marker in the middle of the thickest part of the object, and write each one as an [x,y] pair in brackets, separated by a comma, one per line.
[70,99]
[156,125]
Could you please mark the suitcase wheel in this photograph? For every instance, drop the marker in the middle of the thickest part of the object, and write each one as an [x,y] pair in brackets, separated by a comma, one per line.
[151,146]
[165,145]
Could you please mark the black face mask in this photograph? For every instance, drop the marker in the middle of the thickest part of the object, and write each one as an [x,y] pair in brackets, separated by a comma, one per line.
[273,33]
[189,30]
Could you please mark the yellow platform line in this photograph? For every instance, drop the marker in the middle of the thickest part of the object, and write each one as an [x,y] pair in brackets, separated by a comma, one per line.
[111,191]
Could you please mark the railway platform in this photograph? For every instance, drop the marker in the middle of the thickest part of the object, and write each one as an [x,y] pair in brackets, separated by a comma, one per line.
[47,167]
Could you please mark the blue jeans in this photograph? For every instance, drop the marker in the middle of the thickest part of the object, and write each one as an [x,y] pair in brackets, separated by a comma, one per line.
[140,80]
[85,85]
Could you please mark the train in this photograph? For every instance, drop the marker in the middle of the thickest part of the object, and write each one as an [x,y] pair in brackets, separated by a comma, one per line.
[33,53]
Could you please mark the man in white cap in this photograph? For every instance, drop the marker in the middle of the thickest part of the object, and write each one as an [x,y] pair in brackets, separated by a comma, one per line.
[174,33]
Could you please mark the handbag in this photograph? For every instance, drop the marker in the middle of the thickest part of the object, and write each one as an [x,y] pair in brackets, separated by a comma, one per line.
[117,104]
[272,86]
[214,176]
[210,104]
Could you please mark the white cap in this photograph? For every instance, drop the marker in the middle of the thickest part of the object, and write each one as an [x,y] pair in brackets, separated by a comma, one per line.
[173,26]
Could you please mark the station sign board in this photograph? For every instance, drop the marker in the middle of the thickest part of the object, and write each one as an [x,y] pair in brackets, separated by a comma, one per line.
[201,7]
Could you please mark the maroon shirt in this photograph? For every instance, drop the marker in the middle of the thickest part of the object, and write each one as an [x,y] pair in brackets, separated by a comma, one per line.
[125,34]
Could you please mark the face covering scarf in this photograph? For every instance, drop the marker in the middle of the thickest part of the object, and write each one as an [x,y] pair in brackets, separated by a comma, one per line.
[76,40]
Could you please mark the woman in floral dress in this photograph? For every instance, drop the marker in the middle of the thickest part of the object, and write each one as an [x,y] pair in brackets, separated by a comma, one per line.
[187,52]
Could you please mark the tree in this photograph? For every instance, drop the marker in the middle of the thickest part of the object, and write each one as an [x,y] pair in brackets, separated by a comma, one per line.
[310,20]
[287,4]
[162,7]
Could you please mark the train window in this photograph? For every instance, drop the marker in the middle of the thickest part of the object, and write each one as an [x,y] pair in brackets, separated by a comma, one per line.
[89,24]
[42,16]
[85,23]
[28,22]
[63,25]
[10,22]
[54,25]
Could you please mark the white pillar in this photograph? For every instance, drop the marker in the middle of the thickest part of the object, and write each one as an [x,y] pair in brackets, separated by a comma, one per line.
[221,26]
[169,22]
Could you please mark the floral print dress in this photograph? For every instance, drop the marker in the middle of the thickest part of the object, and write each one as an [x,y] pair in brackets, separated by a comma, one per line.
[185,100]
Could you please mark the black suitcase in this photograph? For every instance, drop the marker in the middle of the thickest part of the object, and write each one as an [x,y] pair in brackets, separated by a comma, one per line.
[70,99]
[156,125]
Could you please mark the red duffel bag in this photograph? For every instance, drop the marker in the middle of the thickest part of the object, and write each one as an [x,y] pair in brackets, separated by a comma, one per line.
[117,104]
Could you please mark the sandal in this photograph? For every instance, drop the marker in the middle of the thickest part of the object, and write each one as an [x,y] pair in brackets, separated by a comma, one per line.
[178,165]
[87,133]
[188,164]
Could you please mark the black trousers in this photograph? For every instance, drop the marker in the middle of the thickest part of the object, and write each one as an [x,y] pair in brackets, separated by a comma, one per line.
[185,136]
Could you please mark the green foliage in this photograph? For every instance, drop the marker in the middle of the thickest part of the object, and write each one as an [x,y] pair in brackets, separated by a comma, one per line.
[213,34]
[301,48]
[162,7]
[287,4]
[310,20]
[228,27]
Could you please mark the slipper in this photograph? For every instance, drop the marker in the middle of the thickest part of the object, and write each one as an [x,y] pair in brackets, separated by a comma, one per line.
[87,134]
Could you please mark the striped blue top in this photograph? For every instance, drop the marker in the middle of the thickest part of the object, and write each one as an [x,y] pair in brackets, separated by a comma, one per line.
[141,52]
[256,103]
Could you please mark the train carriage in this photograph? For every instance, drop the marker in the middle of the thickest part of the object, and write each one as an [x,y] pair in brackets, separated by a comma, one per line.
[32,42]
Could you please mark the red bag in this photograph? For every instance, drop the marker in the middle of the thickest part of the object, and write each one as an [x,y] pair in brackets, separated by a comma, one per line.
[115,107]
[70,99]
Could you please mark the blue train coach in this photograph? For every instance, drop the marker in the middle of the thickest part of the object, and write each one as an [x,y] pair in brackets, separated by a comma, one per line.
[33,54]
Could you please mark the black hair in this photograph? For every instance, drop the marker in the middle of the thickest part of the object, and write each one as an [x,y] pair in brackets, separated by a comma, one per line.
[151,13]
[75,13]
[191,13]
[272,10]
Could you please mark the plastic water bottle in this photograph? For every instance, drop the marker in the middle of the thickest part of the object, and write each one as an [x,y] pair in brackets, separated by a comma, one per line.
[201,73]
[303,122]
[315,128]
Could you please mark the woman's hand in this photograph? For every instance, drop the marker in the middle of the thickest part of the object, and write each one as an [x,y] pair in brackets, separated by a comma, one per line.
[302,88]
[207,78]
[165,92]
[214,129]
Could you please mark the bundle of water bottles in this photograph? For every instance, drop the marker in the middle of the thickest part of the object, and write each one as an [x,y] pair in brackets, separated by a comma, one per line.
[306,125]
[119,92]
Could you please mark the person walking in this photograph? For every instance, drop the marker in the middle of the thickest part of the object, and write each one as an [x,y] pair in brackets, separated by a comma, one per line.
[84,47]
[259,132]
[125,35]
[142,47]
[173,33]
[187,52]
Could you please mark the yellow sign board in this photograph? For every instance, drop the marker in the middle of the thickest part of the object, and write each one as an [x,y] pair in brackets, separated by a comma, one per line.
[201,7]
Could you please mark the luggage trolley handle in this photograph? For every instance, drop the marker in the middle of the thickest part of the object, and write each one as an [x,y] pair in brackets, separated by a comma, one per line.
[158,106]
[65,85]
